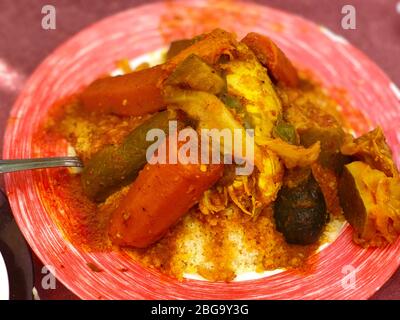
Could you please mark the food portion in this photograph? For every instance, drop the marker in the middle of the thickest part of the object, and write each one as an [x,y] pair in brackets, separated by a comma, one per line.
[133,94]
[115,166]
[271,57]
[370,201]
[305,173]
[140,220]
[372,149]
[300,210]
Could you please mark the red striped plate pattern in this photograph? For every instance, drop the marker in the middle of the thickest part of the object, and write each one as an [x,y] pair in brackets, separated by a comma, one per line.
[92,52]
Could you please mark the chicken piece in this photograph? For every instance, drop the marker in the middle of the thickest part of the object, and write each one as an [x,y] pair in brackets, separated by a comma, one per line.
[294,156]
[249,82]
[270,176]
[214,200]
[243,193]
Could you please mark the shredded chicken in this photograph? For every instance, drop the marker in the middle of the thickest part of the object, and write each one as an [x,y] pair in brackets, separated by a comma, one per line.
[294,156]
[214,200]
[243,193]
[373,150]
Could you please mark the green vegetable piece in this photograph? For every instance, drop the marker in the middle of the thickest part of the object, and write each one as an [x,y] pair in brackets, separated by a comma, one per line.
[232,102]
[286,132]
[194,73]
[177,46]
[356,198]
[118,165]
[331,138]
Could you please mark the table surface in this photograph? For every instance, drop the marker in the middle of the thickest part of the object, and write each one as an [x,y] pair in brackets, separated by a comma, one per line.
[24,44]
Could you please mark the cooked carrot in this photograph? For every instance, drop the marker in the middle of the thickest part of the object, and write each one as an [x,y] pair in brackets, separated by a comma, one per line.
[269,54]
[133,94]
[156,200]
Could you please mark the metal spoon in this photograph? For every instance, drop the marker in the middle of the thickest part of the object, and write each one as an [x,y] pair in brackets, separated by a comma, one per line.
[39,163]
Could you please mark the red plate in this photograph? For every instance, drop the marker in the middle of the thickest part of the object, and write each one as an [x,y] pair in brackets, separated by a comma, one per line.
[36,202]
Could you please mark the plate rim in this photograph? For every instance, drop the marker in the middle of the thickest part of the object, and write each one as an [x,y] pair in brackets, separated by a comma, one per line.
[110,18]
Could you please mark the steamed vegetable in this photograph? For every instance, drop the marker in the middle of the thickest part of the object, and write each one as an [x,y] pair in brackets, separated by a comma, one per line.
[330,140]
[209,47]
[140,92]
[300,210]
[371,204]
[286,131]
[313,124]
[177,46]
[203,108]
[133,94]
[269,54]
[118,165]
[160,195]
[195,74]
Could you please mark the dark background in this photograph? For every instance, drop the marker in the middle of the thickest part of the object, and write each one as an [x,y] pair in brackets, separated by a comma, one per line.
[24,44]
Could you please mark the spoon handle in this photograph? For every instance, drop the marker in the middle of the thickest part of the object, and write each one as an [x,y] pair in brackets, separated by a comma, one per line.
[39,163]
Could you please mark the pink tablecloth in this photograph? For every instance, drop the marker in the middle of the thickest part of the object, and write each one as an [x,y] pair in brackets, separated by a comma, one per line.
[24,44]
